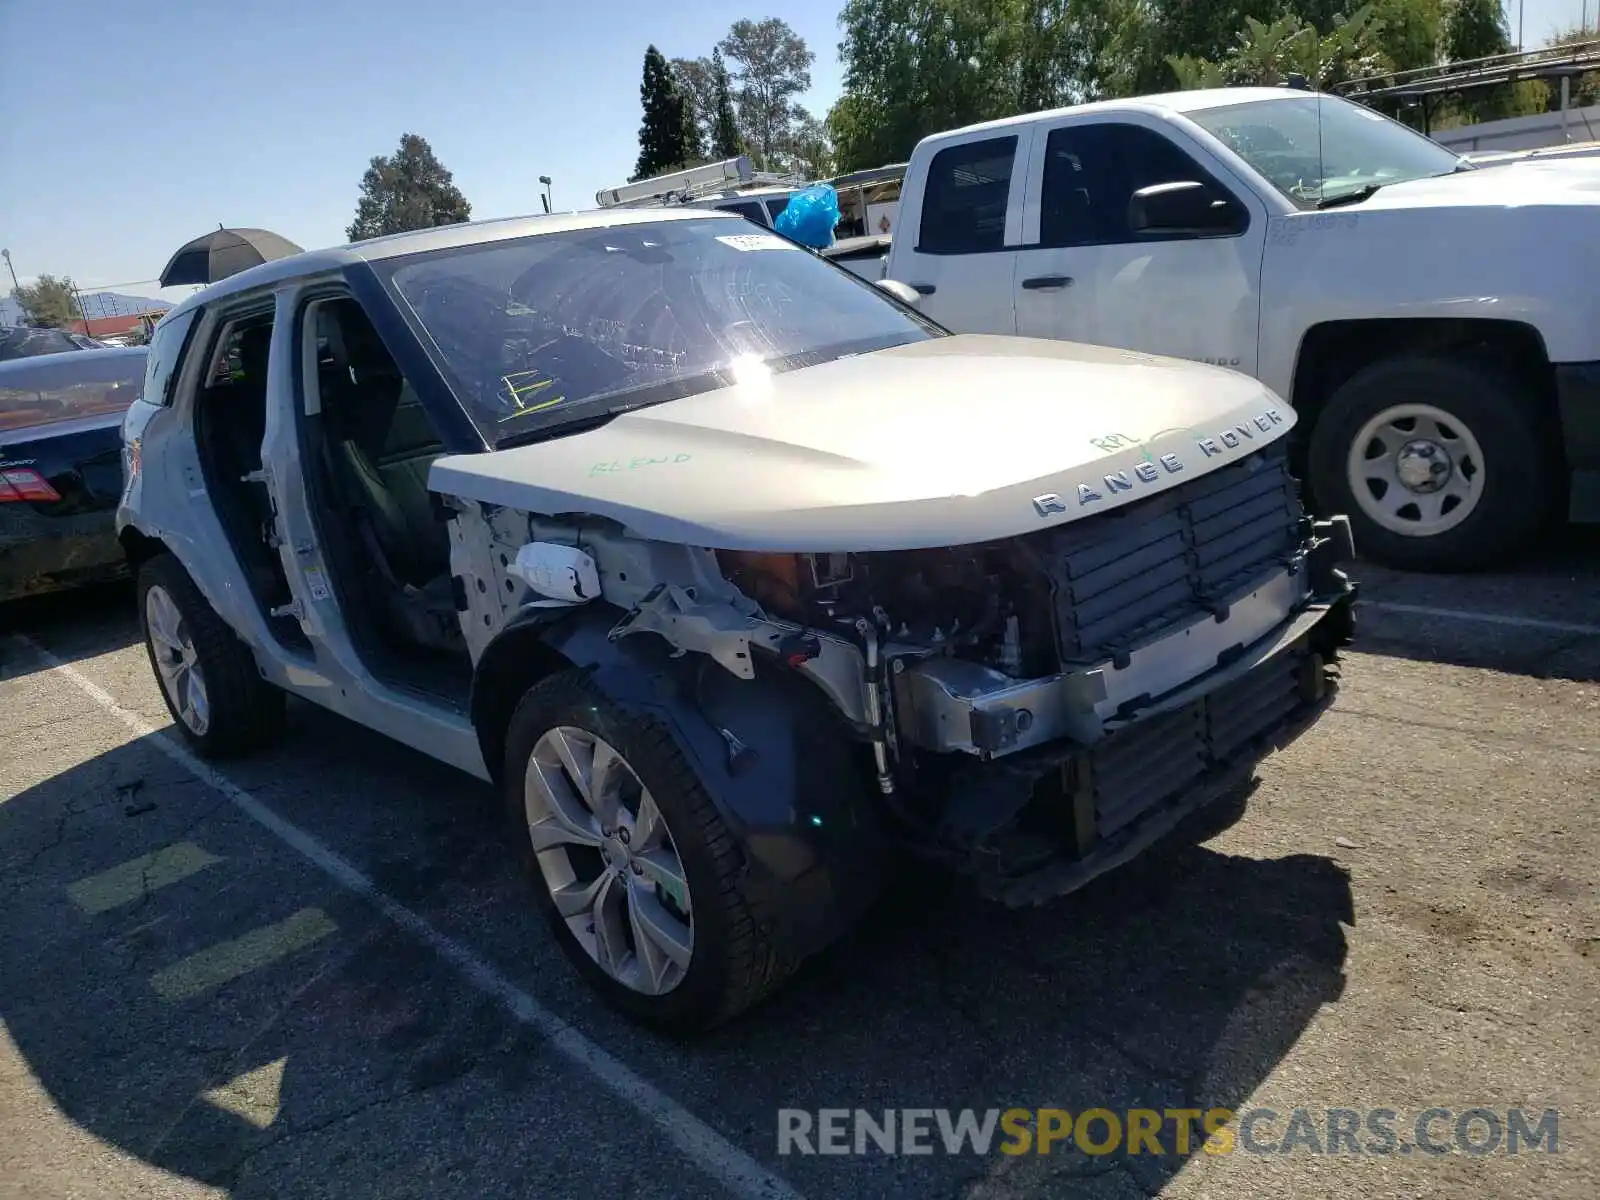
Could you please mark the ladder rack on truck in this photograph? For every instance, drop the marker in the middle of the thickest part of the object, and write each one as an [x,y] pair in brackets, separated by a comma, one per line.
[726,178]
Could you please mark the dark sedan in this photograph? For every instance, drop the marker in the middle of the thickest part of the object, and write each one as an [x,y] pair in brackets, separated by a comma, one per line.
[21,341]
[61,466]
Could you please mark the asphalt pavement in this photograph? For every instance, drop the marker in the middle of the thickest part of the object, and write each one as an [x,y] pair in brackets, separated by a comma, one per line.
[317,972]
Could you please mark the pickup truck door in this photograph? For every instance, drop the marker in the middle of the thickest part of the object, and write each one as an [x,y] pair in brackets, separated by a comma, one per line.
[962,253]
[1188,295]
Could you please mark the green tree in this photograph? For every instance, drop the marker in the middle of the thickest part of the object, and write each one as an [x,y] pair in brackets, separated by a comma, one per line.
[1477,29]
[666,137]
[724,138]
[410,189]
[1474,29]
[807,150]
[1585,89]
[49,302]
[911,68]
[1267,54]
[770,65]
[1408,32]
[697,81]
[916,66]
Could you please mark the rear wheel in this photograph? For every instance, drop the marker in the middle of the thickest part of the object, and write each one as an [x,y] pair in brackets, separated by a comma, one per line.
[207,676]
[1441,466]
[635,869]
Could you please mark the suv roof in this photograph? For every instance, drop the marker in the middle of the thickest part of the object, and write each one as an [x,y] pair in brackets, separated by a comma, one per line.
[465,233]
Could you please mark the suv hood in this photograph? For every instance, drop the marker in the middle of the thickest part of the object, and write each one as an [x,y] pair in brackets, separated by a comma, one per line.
[953,440]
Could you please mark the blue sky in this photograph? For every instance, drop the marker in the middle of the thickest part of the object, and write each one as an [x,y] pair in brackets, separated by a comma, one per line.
[127,128]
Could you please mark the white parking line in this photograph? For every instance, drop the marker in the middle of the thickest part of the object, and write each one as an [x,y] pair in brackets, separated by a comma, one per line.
[709,1150]
[1461,614]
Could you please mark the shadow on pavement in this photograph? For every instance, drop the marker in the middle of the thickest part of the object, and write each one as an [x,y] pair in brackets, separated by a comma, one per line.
[1543,610]
[364,1065]
[1178,982]
[75,624]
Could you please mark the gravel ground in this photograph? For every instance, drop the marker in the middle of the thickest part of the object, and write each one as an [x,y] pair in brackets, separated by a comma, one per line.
[1405,916]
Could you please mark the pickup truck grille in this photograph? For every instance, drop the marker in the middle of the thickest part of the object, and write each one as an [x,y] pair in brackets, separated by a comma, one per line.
[1124,577]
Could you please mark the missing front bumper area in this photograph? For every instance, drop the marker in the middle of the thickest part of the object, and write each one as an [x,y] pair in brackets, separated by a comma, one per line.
[1044,822]
[950,705]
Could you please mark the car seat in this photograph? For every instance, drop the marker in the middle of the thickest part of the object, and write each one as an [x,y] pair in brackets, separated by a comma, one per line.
[383,447]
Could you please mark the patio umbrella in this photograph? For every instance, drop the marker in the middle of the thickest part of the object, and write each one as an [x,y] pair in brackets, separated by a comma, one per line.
[224,252]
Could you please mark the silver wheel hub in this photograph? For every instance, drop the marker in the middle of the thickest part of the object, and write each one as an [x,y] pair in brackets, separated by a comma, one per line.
[1423,466]
[608,859]
[177,661]
[1416,470]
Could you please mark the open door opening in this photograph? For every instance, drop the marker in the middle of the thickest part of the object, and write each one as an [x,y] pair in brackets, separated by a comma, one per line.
[368,445]
[230,422]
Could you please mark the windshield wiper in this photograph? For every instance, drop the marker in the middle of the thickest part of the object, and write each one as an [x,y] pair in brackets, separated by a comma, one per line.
[1364,192]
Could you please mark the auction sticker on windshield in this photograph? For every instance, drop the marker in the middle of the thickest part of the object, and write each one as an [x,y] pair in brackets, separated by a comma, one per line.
[755,241]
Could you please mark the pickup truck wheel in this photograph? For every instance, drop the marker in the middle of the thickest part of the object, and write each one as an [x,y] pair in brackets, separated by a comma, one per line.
[1437,464]
[631,862]
[208,677]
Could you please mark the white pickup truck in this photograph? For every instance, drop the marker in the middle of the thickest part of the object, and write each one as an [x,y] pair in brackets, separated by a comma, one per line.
[1436,326]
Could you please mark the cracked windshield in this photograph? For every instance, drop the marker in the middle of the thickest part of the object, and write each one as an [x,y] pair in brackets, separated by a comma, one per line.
[538,332]
[829,600]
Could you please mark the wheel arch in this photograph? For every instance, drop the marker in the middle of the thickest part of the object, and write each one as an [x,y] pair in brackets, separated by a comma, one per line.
[139,547]
[1333,352]
[775,760]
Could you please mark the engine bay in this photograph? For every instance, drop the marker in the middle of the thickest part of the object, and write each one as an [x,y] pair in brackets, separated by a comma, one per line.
[988,604]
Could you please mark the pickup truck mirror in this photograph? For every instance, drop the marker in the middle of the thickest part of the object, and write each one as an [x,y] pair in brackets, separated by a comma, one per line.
[902,292]
[1183,207]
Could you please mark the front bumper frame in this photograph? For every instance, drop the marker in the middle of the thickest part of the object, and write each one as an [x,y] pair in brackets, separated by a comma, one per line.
[1046,821]
[951,705]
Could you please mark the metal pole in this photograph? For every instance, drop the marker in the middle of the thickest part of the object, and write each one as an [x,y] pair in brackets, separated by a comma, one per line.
[83,314]
[1520,5]
[12,268]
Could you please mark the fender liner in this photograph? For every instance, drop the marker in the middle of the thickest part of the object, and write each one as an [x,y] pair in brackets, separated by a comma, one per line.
[781,767]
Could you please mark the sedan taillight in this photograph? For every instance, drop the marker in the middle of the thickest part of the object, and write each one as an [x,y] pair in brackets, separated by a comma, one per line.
[24,483]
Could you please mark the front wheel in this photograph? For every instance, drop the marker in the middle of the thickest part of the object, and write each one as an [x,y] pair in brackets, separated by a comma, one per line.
[207,676]
[1441,466]
[634,867]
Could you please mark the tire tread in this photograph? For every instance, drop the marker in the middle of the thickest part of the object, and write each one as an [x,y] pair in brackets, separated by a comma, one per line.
[247,712]
[755,965]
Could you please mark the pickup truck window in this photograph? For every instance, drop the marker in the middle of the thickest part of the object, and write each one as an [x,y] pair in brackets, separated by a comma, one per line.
[964,204]
[1092,171]
[1319,148]
[748,209]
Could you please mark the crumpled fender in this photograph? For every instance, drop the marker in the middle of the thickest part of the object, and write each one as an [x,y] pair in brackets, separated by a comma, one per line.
[791,784]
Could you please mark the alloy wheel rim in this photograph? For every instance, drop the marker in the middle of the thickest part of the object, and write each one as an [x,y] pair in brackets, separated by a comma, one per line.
[1416,470]
[608,860]
[177,661]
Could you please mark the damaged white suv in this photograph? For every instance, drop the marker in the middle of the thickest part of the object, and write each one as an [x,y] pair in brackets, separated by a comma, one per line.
[739,577]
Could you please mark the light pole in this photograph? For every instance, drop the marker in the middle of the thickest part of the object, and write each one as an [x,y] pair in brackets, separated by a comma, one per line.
[6,254]
[545,179]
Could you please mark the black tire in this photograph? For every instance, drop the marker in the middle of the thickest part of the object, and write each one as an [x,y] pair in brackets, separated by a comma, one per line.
[1519,479]
[735,962]
[246,712]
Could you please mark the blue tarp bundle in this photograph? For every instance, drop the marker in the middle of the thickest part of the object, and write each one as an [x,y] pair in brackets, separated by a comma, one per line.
[810,216]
